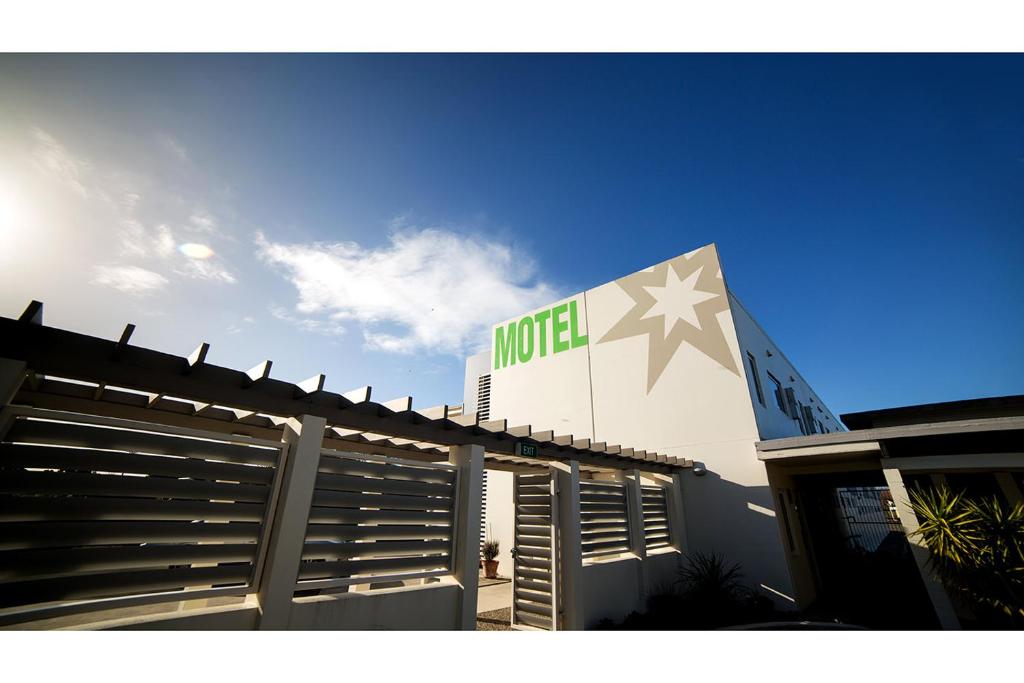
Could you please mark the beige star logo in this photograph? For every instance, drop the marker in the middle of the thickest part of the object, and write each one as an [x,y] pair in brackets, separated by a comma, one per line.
[677,301]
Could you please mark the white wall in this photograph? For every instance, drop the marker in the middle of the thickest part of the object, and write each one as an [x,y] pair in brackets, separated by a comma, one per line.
[475,366]
[242,617]
[610,590]
[500,517]
[549,392]
[430,607]
[614,588]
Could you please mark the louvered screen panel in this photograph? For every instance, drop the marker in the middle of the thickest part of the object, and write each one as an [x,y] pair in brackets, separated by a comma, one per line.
[483,397]
[655,509]
[533,593]
[92,509]
[603,518]
[483,511]
[377,519]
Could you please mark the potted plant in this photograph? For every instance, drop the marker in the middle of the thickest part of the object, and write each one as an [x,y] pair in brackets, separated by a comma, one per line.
[490,551]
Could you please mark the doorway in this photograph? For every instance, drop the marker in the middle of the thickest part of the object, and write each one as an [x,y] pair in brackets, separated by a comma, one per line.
[864,570]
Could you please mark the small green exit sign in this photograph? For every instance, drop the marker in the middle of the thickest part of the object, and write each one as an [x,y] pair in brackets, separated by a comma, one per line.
[526,449]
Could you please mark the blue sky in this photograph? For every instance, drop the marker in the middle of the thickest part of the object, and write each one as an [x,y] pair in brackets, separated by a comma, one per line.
[369,216]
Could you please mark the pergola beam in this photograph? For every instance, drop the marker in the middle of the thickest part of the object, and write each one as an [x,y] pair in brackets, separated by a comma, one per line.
[61,353]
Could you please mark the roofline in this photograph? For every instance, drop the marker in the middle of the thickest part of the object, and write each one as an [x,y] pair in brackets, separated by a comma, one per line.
[992,424]
[863,419]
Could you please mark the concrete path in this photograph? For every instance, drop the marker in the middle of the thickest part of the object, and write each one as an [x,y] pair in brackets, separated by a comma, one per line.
[490,598]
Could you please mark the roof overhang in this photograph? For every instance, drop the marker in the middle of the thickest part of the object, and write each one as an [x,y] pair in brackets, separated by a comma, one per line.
[870,444]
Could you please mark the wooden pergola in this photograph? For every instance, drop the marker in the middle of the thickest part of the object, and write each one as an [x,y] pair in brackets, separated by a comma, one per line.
[80,373]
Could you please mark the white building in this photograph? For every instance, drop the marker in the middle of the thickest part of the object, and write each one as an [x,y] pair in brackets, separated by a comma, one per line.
[668,360]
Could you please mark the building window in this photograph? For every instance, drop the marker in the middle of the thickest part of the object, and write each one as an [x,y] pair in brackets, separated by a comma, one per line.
[807,418]
[777,388]
[757,378]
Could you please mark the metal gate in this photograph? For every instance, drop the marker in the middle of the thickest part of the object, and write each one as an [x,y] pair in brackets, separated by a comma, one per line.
[535,555]
[865,573]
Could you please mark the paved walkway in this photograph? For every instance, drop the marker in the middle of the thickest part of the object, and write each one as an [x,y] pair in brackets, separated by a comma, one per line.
[494,597]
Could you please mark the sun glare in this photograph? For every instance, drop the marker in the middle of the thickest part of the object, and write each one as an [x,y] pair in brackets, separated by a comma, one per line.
[9,213]
[196,251]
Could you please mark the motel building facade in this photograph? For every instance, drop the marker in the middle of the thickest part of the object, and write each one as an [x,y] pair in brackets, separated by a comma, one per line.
[668,359]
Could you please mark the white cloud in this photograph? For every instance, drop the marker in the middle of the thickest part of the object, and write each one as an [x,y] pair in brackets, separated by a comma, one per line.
[164,242]
[205,270]
[129,200]
[133,239]
[129,279]
[173,146]
[203,221]
[329,328]
[56,161]
[426,290]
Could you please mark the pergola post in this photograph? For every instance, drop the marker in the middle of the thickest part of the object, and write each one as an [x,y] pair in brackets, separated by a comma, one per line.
[635,524]
[300,460]
[919,549]
[466,563]
[12,374]
[676,514]
[569,551]
[635,510]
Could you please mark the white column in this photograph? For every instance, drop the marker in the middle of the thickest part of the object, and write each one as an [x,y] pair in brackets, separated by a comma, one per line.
[637,541]
[568,551]
[12,374]
[676,514]
[919,549]
[300,460]
[466,562]
[635,512]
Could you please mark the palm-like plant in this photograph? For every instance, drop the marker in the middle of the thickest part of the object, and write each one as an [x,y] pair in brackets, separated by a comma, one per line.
[977,547]
[1003,529]
[947,524]
[709,578]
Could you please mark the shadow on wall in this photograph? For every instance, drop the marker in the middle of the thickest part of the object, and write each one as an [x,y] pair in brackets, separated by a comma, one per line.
[739,523]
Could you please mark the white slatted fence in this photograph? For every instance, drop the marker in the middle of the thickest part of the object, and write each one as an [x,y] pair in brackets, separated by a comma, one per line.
[378,519]
[101,512]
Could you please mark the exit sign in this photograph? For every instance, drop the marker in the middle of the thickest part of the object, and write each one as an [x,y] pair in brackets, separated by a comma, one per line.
[527,449]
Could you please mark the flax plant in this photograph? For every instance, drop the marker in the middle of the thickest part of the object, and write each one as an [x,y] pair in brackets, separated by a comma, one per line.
[977,548]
